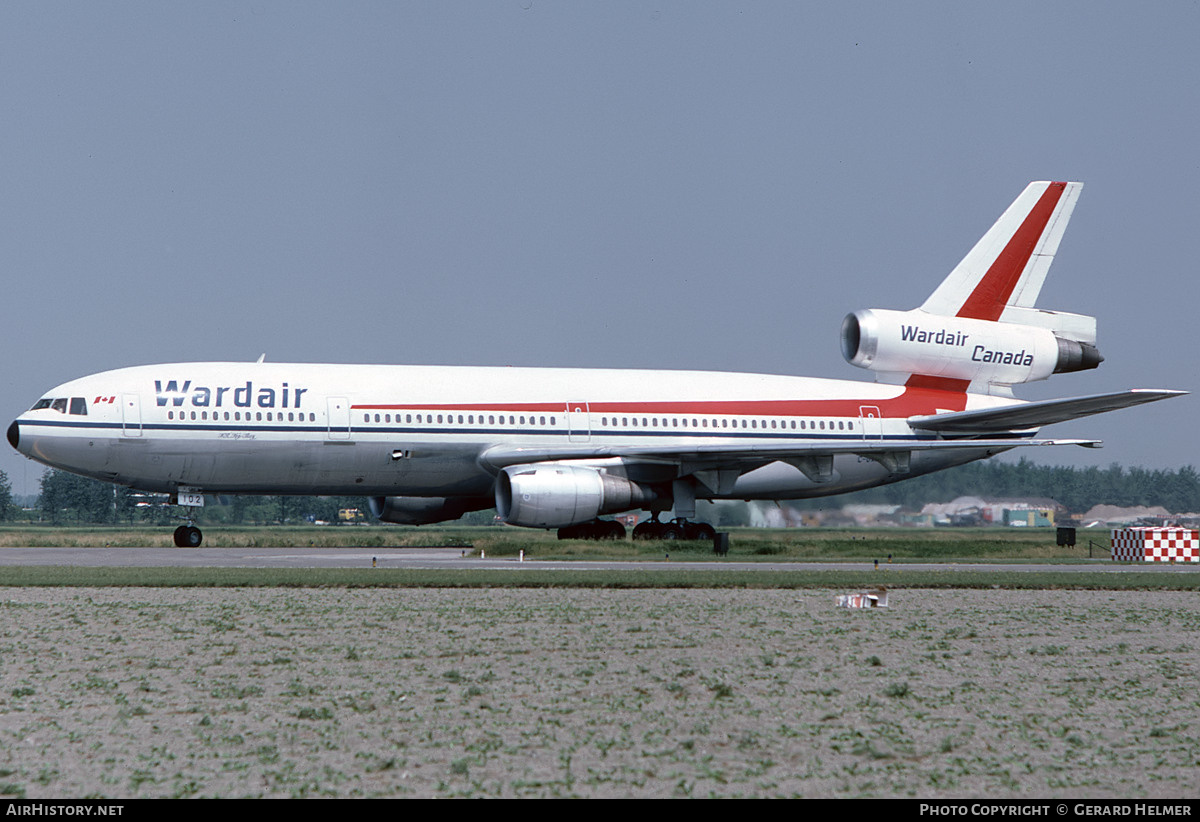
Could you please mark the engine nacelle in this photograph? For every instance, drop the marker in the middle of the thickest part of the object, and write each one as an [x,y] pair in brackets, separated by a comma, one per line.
[554,495]
[917,342]
[424,510]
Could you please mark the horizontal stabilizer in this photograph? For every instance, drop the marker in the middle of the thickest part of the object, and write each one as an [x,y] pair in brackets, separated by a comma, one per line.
[1035,414]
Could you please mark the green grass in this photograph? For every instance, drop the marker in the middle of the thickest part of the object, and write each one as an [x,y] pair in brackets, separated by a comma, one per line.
[856,547]
[745,543]
[681,577]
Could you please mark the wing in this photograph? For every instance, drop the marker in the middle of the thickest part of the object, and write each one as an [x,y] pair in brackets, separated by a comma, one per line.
[719,466]
[502,456]
[1034,414]
[980,433]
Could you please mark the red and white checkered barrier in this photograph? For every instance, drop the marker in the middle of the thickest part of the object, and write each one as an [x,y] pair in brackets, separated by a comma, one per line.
[1155,545]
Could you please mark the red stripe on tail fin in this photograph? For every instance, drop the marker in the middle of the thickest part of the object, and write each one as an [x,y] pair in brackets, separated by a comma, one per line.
[988,300]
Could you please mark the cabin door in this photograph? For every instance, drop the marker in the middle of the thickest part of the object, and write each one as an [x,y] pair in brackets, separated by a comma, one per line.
[339,418]
[131,415]
[871,421]
[579,423]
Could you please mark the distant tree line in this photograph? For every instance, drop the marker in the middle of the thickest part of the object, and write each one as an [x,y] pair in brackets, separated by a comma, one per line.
[7,509]
[1078,489]
[70,499]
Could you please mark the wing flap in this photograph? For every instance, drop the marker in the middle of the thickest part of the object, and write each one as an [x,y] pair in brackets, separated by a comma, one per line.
[1035,414]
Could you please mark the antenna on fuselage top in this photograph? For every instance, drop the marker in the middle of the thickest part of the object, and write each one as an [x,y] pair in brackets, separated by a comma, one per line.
[262,356]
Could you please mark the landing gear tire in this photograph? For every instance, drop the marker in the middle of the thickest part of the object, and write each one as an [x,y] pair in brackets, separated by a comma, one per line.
[188,536]
[651,529]
[596,529]
[679,529]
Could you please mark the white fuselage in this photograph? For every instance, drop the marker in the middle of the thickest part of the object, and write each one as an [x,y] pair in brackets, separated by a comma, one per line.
[272,428]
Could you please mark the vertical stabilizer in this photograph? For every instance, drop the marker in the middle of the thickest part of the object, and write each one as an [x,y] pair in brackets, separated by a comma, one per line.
[979,331]
[1008,266]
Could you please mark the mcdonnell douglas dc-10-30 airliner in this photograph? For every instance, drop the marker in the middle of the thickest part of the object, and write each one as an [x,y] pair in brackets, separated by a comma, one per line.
[560,447]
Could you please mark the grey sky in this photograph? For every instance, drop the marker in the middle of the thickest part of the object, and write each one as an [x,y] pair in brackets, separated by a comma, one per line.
[666,185]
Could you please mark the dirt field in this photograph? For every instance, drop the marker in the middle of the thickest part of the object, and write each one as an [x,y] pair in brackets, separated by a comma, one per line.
[378,692]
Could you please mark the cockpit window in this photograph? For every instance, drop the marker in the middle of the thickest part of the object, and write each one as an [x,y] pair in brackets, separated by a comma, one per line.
[78,405]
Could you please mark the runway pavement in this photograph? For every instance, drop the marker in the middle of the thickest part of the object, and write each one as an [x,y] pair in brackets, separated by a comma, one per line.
[460,558]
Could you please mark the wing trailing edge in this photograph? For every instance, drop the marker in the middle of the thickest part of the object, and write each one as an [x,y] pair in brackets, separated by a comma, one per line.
[711,456]
[1035,414]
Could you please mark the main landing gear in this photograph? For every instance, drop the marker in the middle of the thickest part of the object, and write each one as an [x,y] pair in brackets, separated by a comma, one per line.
[676,529]
[651,529]
[188,536]
[596,529]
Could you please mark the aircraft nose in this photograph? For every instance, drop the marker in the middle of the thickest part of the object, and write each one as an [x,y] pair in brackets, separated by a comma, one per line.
[14,434]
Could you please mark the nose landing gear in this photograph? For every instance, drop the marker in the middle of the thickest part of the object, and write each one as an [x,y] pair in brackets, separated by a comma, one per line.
[188,536]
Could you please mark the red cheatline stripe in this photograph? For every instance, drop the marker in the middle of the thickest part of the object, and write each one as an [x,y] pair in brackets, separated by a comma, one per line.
[990,297]
[923,395]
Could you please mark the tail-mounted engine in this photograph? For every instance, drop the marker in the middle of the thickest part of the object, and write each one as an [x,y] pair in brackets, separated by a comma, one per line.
[980,351]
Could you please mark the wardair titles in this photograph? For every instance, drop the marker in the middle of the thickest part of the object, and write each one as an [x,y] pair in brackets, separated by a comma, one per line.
[228,396]
[980,353]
